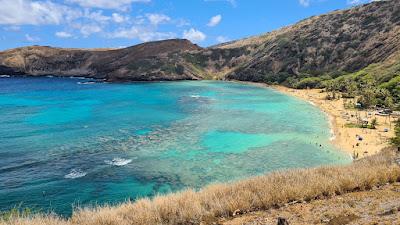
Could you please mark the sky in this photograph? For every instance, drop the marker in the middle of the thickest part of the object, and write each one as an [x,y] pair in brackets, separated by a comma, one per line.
[122,23]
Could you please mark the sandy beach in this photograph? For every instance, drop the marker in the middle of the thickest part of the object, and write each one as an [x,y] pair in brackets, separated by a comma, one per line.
[346,137]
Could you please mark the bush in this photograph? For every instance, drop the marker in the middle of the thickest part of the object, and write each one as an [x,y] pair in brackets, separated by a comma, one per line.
[373,124]
[309,82]
[396,140]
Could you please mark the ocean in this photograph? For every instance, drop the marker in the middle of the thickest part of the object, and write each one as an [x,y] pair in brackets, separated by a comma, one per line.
[70,142]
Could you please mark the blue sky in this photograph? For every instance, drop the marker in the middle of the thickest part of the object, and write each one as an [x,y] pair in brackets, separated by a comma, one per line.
[121,23]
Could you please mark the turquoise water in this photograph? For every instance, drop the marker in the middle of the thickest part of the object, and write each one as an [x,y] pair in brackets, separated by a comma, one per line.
[65,142]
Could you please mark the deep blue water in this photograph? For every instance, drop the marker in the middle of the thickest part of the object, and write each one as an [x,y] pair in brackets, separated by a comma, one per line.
[65,142]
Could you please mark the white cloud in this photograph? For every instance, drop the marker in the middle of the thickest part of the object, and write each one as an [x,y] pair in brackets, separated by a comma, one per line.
[12,28]
[96,16]
[194,35]
[63,34]
[156,36]
[31,38]
[141,33]
[118,18]
[106,4]
[156,19]
[356,2]
[88,29]
[304,3]
[222,39]
[78,18]
[27,12]
[307,3]
[214,21]
[182,23]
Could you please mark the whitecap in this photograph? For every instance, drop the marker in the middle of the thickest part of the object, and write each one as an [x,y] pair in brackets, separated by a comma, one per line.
[118,162]
[5,76]
[75,173]
[195,96]
[87,82]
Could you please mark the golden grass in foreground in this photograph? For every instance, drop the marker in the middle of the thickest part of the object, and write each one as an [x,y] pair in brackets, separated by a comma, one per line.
[221,200]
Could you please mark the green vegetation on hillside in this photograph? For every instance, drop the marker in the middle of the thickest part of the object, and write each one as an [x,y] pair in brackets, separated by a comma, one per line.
[376,85]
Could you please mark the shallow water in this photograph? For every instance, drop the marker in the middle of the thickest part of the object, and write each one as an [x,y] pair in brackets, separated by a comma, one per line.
[65,143]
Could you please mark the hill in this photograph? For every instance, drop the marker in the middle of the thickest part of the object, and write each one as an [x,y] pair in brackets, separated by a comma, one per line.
[145,62]
[325,46]
[337,43]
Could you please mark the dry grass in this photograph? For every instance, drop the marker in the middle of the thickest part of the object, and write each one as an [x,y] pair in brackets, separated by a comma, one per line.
[221,200]
[380,205]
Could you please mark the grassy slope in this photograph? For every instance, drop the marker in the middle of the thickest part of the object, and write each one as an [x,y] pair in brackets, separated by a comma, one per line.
[222,200]
[377,206]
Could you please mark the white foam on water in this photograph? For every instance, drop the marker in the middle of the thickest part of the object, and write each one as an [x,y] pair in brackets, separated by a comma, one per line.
[75,173]
[195,96]
[333,136]
[86,83]
[5,76]
[118,162]
[332,131]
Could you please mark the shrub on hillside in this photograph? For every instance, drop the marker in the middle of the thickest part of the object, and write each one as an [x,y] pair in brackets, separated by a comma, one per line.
[396,140]
[309,82]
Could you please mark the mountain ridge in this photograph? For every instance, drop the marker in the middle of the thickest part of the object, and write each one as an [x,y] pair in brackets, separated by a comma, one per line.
[140,62]
[332,44]
[345,40]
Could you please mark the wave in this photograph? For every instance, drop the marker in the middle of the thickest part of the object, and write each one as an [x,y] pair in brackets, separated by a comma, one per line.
[331,126]
[195,96]
[311,103]
[5,76]
[87,82]
[118,162]
[75,173]
[333,136]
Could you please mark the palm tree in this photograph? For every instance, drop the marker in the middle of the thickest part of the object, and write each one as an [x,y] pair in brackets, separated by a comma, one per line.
[396,140]
[390,104]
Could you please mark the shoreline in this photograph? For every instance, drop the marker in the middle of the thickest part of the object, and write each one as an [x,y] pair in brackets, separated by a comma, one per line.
[343,136]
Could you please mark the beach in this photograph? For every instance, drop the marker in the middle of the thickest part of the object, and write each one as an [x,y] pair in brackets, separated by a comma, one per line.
[345,136]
